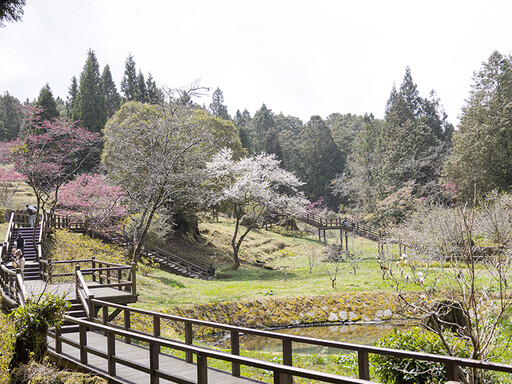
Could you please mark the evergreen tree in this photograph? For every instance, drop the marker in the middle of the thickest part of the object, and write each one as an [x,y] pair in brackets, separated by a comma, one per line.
[263,132]
[412,149]
[10,117]
[112,97]
[129,85]
[92,110]
[320,161]
[72,102]
[481,160]
[141,95]
[362,182]
[154,94]
[241,121]
[47,103]
[217,107]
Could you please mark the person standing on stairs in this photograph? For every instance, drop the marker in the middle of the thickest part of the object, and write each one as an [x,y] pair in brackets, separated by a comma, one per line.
[19,243]
[31,210]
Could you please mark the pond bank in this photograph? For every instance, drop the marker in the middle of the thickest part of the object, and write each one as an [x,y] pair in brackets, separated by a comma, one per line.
[270,312]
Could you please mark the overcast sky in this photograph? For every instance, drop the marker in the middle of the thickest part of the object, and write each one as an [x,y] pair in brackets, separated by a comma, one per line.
[301,58]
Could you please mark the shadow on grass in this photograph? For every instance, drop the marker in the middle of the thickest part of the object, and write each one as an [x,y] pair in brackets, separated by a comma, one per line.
[171,282]
[260,274]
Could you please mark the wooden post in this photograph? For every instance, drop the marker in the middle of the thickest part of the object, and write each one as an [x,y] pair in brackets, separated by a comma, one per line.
[346,240]
[105,315]
[83,343]
[287,360]
[92,309]
[451,372]
[154,362]
[127,325]
[202,369]
[58,342]
[188,340]
[119,278]
[93,264]
[341,238]
[364,365]
[111,352]
[235,350]
[156,329]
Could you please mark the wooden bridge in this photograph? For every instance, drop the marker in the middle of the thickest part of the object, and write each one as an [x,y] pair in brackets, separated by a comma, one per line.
[99,334]
[344,225]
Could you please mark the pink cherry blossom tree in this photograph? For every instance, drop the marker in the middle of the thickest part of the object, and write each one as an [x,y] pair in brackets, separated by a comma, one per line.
[48,154]
[93,199]
[10,181]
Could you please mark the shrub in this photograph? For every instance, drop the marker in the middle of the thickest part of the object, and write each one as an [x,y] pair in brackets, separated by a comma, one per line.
[32,322]
[392,369]
[6,344]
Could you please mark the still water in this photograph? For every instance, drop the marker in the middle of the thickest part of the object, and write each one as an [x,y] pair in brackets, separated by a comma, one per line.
[366,334]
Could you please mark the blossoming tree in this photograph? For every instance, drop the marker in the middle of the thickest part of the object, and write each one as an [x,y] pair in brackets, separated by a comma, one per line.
[253,187]
[48,154]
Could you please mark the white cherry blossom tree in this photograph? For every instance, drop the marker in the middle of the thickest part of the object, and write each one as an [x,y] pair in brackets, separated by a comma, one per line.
[252,188]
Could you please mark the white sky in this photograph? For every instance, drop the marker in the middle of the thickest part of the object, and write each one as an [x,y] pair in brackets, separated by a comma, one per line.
[298,57]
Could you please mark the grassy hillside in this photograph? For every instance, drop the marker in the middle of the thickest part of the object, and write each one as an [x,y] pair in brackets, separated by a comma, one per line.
[273,264]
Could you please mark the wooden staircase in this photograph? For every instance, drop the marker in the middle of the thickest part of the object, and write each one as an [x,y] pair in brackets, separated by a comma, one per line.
[31,271]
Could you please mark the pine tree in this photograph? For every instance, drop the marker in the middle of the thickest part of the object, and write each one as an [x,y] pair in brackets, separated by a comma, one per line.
[321,161]
[141,95]
[129,82]
[72,102]
[10,117]
[154,94]
[92,110]
[112,97]
[47,103]
[412,149]
[482,146]
[217,107]
[263,132]
[241,121]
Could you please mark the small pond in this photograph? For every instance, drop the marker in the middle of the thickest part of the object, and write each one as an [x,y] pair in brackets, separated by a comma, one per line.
[364,333]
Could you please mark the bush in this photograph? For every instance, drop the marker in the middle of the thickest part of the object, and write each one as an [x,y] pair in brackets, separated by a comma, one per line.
[32,323]
[6,344]
[392,369]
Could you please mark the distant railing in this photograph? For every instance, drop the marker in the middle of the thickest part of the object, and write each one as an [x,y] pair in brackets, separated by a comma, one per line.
[106,274]
[346,223]
[192,264]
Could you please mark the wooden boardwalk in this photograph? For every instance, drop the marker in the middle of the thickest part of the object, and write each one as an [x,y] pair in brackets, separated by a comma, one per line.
[184,372]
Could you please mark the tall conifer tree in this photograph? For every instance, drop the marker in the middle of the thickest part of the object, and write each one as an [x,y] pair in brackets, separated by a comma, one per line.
[129,82]
[92,110]
[112,97]
[46,102]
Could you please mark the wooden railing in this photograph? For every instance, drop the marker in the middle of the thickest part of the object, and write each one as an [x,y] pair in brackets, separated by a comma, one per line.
[345,223]
[122,329]
[154,342]
[191,263]
[12,285]
[107,274]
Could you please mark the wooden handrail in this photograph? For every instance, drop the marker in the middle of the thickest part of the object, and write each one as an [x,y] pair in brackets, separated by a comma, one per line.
[20,288]
[362,350]
[202,354]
